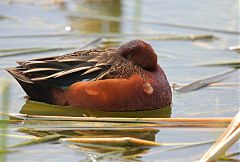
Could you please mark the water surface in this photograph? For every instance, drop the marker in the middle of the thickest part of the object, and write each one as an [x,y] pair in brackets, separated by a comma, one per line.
[43,24]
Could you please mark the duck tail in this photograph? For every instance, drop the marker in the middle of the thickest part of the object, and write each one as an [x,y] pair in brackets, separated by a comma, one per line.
[35,91]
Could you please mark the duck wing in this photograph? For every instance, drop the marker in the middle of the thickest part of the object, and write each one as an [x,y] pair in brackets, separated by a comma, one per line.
[62,71]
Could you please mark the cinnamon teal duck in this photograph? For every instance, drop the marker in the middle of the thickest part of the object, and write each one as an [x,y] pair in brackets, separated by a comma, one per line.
[127,78]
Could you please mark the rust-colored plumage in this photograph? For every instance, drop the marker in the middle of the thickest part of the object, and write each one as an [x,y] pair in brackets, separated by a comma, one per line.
[124,79]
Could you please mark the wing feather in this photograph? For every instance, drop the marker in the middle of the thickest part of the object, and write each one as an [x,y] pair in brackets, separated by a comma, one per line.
[67,69]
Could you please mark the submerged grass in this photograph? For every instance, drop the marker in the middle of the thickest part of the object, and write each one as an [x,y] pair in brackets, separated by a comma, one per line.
[32,51]
[2,152]
[230,157]
[39,140]
[230,63]
[103,156]
[26,51]
[18,49]
[118,37]
[112,146]
[29,51]
[2,17]
[17,136]
[162,37]
[85,124]
[147,21]
[183,146]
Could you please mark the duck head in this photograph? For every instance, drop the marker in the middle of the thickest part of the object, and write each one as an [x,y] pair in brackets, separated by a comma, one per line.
[141,53]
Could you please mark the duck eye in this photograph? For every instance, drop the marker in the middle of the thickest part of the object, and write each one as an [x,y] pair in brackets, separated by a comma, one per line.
[129,57]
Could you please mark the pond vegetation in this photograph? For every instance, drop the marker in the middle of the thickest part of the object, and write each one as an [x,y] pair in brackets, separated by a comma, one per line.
[197,45]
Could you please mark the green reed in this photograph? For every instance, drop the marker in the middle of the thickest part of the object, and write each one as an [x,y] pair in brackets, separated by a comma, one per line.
[3,126]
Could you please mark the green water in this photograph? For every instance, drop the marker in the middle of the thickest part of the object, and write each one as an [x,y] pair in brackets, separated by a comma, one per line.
[35,27]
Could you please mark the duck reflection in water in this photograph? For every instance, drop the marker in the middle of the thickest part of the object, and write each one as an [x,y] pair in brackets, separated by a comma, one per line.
[81,129]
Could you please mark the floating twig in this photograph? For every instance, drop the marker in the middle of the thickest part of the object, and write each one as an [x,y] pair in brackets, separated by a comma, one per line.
[113,126]
[235,48]
[61,122]
[177,85]
[227,139]
[95,41]
[204,82]
[124,120]
[119,142]
[131,142]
